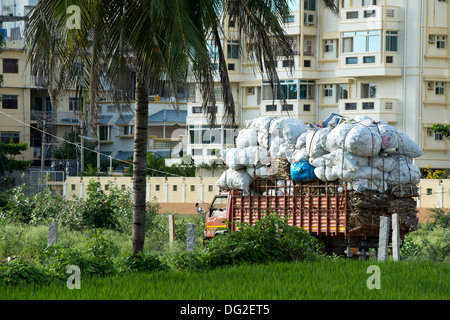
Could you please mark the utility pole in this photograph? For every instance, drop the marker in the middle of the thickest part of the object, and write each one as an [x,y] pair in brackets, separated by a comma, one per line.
[44,127]
[82,146]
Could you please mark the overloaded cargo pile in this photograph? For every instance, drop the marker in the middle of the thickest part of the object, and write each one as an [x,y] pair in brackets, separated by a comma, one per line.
[371,158]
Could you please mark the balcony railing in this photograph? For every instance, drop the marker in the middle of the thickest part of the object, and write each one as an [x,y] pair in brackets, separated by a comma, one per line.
[56,117]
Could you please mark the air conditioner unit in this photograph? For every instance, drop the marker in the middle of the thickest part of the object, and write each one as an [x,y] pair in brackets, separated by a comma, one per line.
[250,91]
[430,85]
[431,39]
[310,19]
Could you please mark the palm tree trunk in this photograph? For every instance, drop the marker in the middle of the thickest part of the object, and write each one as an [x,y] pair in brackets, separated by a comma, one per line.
[140,165]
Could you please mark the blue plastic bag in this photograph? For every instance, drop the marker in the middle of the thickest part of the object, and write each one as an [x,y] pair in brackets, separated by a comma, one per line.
[302,171]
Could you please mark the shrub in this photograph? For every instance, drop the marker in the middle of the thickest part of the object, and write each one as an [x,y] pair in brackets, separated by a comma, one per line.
[141,262]
[270,239]
[19,271]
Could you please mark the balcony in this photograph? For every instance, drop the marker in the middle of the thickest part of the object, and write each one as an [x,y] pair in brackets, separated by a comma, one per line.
[364,64]
[370,18]
[56,117]
[376,108]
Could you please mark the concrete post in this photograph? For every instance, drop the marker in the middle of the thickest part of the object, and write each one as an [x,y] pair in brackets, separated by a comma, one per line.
[190,238]
[396,237]
[171,228]
[52,233]
[384,238]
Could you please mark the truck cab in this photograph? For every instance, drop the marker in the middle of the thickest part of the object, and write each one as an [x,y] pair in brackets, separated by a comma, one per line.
[216,217]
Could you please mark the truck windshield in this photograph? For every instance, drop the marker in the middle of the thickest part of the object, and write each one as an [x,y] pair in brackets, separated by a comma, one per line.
[220,203]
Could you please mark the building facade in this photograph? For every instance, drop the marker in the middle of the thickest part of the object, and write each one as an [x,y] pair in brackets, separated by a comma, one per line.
[387,59]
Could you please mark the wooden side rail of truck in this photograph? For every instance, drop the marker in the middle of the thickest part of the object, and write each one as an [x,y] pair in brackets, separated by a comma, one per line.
[322,209]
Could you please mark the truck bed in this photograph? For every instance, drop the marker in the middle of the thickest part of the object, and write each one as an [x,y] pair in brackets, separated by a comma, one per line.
[319,208]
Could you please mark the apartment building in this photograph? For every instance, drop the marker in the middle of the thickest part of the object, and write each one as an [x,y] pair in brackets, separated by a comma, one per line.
[387,59]
[27,113]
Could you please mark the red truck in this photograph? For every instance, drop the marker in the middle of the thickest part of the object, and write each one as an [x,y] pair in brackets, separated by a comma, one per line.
[322,209]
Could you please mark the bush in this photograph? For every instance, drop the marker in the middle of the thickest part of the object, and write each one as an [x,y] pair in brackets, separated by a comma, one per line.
[271,239]
[141,262]
[19,271]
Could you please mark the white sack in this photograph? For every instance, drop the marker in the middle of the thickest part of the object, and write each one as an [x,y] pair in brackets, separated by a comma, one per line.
[385,164]
[300,155]
[405,172]
[232,159]
[363,141]
[247,138]
[346,160]
[235,179]
[301,141]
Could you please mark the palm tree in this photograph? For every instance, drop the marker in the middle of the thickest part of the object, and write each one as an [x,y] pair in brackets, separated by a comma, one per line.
[155,39]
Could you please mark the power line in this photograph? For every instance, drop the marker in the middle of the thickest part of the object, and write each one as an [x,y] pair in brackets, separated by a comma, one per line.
[85,148]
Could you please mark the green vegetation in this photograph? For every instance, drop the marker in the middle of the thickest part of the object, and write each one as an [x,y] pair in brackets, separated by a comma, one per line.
[275,260]
[342,279]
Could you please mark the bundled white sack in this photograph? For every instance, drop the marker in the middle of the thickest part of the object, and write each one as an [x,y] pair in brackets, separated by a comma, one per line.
[325,174]
[335,139]
[235,179]
[261,123]
[262,157]
[316,142]
[247,156]
[405,172]
[262,172]
[292,130]
[301,141]
[408,147]
[232,159]
[346,160]
[363,173]
[284,150]
[385,164]
[275,144]
[363,141]
[390,136]
[300,155]
[247,138]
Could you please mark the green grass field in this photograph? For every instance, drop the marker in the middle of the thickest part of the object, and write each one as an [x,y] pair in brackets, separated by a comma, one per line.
[324,280]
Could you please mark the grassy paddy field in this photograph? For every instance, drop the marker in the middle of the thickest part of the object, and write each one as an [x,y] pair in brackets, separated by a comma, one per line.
[324,280]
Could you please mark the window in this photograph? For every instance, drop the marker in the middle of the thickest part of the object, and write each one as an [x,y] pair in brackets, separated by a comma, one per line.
[72,187]
[75,104]
[192,187]
[438,137]
[368,105]
[351,60]
[440,42]
[307,89]
[288,107]
[429,191]
[105,133]
[174,187]
[157,187]
[289,19]
[7,137]
[197,110]
[392,41]
[370,13]
[231,66]
[210,188]
[370,59]
[128,130]
[388,105]
[204,135]
[328,46]
[111,108]
[361,41]
[390,13]
[232,23]
[233,49]
[10,66]
[306,108]
[341,92]
[439,88]
[310,5]
[368,3]
[307,63]
[288,87]
[271,108]
[368,90]
[350,106]
[352,14]
[9,101]
[288,63]
[213,52]
[328,90]
[389,59]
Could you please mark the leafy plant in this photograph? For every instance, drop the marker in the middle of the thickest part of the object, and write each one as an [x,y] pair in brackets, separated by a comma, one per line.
[435,174]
